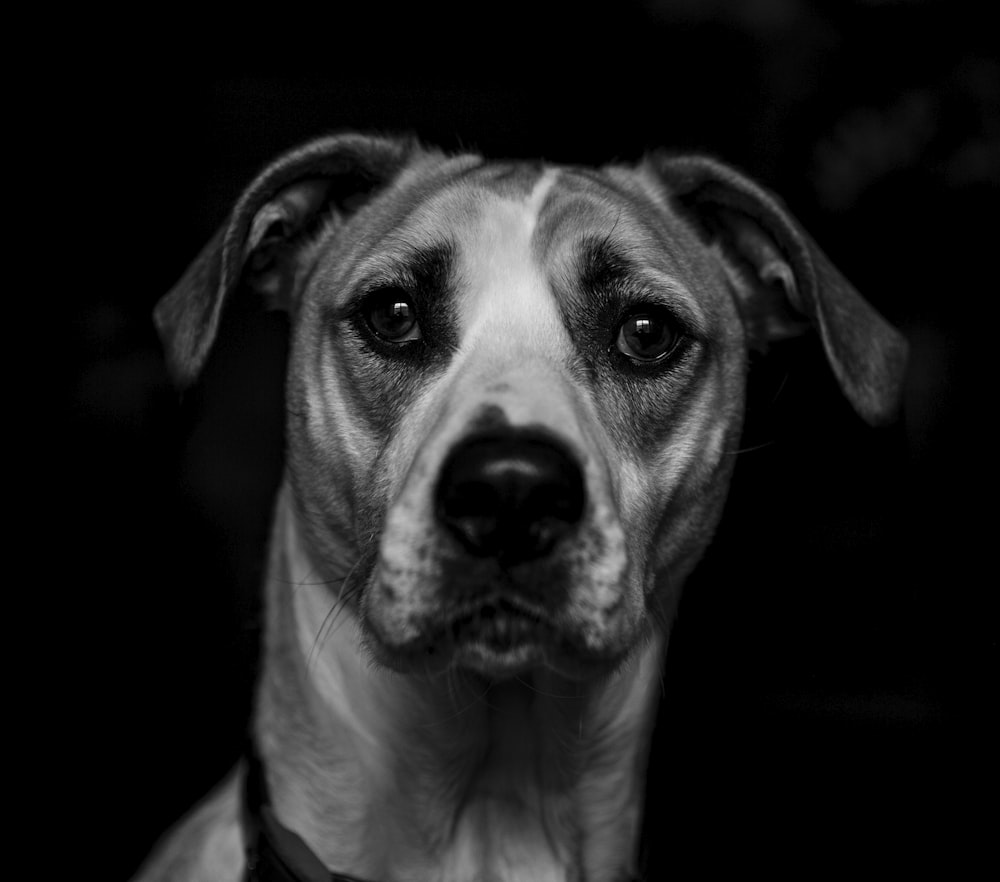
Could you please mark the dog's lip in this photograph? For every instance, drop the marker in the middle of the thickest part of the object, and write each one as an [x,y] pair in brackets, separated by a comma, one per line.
[498,638]
[495,635]
[500,623]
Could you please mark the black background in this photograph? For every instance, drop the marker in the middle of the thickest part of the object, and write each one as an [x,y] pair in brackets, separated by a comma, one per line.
[829,693]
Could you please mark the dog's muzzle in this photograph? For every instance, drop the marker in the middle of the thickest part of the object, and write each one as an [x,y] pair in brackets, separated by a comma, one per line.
[508,502]
[505,570]
[510,497]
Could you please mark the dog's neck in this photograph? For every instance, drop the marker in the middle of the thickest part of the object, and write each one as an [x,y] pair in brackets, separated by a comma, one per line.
[388,776]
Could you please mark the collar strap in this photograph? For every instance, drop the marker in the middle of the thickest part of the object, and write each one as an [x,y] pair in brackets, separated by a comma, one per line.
[273,852]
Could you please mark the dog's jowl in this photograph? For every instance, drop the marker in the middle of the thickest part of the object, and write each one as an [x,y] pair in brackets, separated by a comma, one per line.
[514,391]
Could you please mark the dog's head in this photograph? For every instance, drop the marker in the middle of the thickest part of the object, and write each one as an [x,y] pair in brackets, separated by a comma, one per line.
[515,390]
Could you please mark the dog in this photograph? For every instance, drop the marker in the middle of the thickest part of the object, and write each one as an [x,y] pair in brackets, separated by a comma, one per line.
[514,393]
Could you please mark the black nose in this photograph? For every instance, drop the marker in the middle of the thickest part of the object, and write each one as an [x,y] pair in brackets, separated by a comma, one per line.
[510,496]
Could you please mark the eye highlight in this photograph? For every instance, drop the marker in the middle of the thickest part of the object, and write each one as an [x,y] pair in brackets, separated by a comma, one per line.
[391,315]
[648,334]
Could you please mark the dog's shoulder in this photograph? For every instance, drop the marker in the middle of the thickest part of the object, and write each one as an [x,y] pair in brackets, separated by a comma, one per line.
[206,846]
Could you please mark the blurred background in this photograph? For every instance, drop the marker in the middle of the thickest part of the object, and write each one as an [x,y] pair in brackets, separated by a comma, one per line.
[830,690]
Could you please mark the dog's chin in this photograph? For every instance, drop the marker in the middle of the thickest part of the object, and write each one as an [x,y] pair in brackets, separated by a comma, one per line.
[498,663]
[495,641]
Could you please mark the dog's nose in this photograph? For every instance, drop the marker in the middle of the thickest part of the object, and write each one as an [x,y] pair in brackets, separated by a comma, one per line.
[510,496]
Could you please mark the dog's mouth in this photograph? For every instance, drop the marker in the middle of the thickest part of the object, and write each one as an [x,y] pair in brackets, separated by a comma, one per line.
[498,638]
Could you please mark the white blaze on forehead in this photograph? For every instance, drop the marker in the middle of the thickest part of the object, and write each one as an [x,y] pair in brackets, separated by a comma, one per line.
[505,284]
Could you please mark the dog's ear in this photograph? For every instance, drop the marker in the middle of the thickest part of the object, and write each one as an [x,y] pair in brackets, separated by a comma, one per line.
[785,283]
[265,239]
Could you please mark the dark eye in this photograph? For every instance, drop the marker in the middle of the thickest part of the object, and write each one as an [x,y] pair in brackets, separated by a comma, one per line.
[392,315]
[647,335]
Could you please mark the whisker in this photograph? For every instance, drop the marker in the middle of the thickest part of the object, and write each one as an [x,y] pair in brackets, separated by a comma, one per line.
[660,614]
[749,449]
[326,628]
[758,410]
[322,632]
[302,583]
[780,389]
[542,692]
[453,695]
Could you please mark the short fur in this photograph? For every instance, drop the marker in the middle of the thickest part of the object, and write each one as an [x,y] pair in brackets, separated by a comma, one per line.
[402,738]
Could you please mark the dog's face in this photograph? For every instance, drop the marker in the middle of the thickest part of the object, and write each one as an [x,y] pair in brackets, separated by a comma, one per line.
[510,376]
[515,393]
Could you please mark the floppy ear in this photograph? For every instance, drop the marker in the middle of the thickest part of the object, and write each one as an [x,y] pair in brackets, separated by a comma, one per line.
[265,237]
[785,283]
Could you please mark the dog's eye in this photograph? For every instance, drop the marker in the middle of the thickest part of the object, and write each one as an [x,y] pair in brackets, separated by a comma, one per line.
[649,335]
[392,315]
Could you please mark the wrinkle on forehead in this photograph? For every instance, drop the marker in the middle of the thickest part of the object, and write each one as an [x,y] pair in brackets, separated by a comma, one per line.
[590,205]
[505,285]
[613,212]
[523,230]
[469,196]
[514,181]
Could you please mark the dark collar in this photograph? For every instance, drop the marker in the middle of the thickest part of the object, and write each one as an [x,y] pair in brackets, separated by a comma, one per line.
[274,853]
